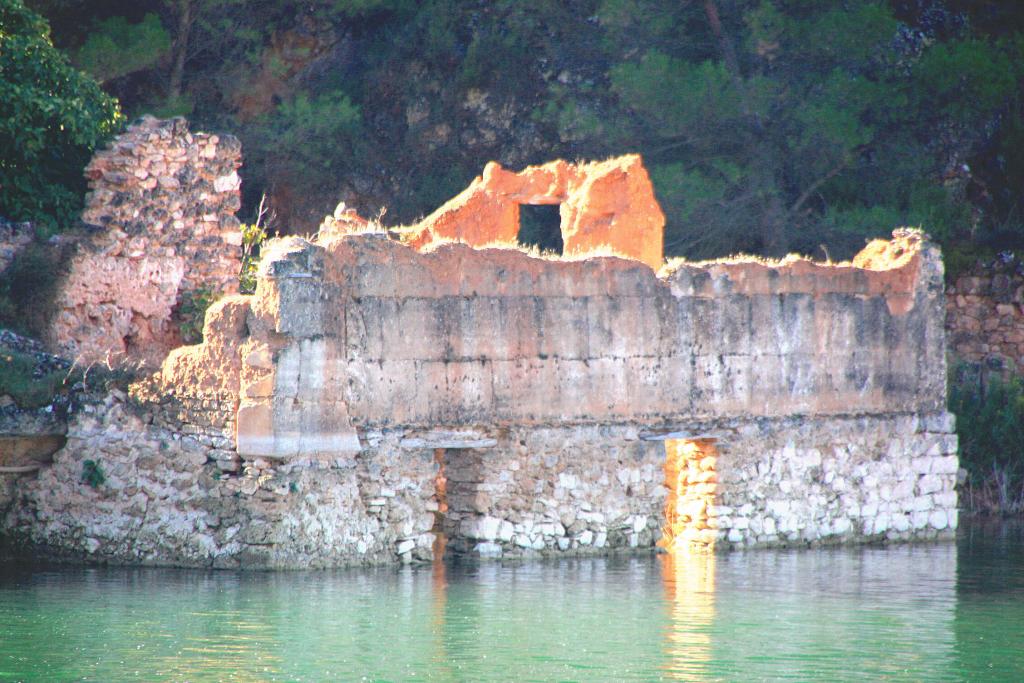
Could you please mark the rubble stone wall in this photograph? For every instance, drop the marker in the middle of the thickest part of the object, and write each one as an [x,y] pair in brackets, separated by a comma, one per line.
[372,398]
[169,498]
[985,315]
[163,202]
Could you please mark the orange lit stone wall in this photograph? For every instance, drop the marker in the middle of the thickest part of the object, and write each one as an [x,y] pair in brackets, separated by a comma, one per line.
[607,207]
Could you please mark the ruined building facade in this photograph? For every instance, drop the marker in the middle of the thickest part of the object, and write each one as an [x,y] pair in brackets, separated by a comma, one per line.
[376,393]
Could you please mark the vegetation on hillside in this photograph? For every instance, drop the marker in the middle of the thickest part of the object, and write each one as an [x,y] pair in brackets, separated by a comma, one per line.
[990,425]
[768,125]
[52,117]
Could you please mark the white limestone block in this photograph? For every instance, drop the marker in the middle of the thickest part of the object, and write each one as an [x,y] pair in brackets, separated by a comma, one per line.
[929,484]
[922,465]
[488,549]
[922,504]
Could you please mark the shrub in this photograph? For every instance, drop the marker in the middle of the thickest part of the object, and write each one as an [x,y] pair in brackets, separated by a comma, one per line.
[92,474]
[52,117]
[990,426]
[253,237]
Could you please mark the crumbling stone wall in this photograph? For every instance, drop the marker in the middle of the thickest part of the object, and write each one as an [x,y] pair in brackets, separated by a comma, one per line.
[606,207]
[358,331]
[985,314]
[380,395]
[163,200]
[170,497]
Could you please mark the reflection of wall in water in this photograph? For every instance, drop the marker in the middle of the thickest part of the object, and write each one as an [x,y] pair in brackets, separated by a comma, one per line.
[881,612]
[586,619]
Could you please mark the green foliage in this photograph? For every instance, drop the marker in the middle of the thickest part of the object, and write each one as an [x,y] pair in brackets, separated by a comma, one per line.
[93,474]
[117,48]
[20,381]
[304,124]
[785,126]
[253,237]
[828,128]
[990,426]
[676,96]
[51,118]
[968,79]
[192,313]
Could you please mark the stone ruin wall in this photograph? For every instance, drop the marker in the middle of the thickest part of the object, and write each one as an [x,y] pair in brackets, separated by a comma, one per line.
[606,208]
[371,396]
[985,316]
[162,205]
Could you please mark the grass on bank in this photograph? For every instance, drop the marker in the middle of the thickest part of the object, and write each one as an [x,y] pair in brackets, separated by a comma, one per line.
[18,380]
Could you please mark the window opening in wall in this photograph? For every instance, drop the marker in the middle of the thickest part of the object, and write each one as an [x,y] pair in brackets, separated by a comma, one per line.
[541,226]
[692,483]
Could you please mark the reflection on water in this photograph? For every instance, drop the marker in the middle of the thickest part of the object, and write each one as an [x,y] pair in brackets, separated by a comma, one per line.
[929,612]
[689,579]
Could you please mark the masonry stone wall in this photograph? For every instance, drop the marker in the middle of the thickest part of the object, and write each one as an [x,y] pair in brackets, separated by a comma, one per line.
[162,206]
[985,314]
[171,499]
[373,401]
[360,331]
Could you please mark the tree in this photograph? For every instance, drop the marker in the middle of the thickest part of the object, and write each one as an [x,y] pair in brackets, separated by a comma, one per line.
[52,117]
[802,124]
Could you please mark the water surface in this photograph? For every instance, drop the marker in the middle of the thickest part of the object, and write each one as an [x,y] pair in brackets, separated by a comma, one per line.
[926,612]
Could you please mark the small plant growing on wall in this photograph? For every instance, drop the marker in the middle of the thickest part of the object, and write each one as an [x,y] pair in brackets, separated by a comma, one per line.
[253,237]
[192,312]
[92,474]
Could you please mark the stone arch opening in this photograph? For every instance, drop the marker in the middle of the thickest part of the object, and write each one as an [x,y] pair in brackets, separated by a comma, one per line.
[692,480]
[540,225]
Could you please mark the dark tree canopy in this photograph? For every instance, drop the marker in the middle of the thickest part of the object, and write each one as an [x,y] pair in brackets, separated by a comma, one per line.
[768,125]
[52,116]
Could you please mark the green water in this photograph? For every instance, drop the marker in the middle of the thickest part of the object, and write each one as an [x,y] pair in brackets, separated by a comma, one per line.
[929,612]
